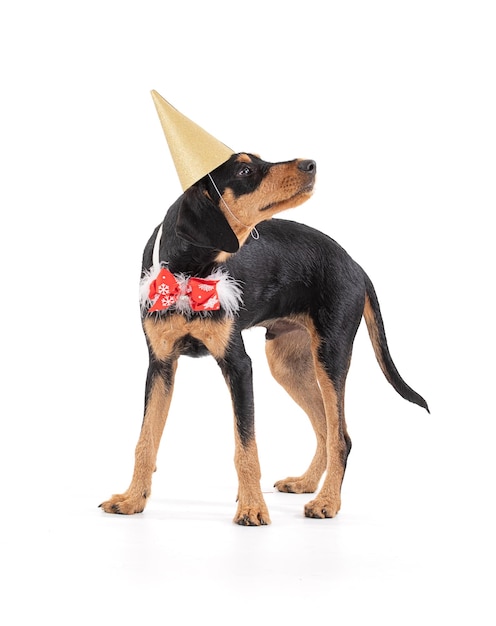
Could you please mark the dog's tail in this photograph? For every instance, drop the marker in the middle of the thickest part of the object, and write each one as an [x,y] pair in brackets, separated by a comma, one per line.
[375,326]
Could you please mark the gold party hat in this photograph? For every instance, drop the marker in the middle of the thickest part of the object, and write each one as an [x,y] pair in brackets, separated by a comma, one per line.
[194,151]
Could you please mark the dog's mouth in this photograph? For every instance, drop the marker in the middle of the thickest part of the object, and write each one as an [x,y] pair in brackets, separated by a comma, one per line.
[307,190]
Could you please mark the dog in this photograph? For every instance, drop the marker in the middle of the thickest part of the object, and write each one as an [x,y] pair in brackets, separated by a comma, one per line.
[205,280]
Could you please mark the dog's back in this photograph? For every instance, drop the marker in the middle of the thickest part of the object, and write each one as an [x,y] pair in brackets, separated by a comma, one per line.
[205,280]
[293,271]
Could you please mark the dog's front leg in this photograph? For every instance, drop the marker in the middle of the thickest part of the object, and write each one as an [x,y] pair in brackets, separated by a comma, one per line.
[237,370]
[158,395]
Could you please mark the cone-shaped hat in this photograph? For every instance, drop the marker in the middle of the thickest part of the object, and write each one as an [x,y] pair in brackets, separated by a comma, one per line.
[194,151]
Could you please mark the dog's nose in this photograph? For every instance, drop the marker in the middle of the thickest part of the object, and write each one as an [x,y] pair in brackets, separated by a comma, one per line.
[307,166]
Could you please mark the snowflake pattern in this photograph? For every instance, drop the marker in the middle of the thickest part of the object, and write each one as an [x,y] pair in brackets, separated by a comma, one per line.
[184,293]
[205,287]
[212,303]
[167,301]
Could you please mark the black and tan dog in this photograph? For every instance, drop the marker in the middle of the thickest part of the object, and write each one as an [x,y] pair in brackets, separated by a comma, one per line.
[293,280]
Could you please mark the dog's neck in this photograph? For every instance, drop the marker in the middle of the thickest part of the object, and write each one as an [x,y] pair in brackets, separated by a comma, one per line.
[181,266]
[182,257]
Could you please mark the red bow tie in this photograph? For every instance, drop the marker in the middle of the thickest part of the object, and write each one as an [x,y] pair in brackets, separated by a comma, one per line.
[202,293]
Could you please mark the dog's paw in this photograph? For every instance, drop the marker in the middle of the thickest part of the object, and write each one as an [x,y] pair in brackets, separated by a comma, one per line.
[252,515]
[299,484]
[320,508]
[123,504]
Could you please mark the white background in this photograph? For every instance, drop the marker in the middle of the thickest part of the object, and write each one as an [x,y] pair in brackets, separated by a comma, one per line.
[396,102]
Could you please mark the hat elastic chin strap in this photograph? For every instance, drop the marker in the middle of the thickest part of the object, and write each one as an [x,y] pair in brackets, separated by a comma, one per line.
[254,233]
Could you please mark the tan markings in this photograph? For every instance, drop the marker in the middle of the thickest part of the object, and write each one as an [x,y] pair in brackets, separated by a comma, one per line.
[291,363]
[328,501]
[164,334]
[369,316]
[284,187]
[223,256]
[243,158]
[134,499]
[252,510]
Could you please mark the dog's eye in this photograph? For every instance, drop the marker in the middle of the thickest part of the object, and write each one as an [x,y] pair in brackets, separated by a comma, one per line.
[245,170]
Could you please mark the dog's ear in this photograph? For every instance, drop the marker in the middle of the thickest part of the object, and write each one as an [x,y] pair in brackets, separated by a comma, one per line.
[201,222]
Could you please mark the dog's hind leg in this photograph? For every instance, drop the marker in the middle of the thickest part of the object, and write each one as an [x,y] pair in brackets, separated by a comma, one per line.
[159,386]
[237,370]
[291,363]
[331,366]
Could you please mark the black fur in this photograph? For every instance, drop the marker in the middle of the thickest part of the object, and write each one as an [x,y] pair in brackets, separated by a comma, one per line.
[293,268]
[294,279]
[290,269]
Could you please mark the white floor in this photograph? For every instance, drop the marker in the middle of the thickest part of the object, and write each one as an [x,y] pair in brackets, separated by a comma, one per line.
[395,101]
[182,561]
[413,544]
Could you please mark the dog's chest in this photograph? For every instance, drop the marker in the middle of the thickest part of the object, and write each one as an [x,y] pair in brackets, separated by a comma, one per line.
[175,334]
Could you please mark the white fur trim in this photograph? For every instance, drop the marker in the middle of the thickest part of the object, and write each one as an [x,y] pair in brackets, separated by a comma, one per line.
[229,291]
